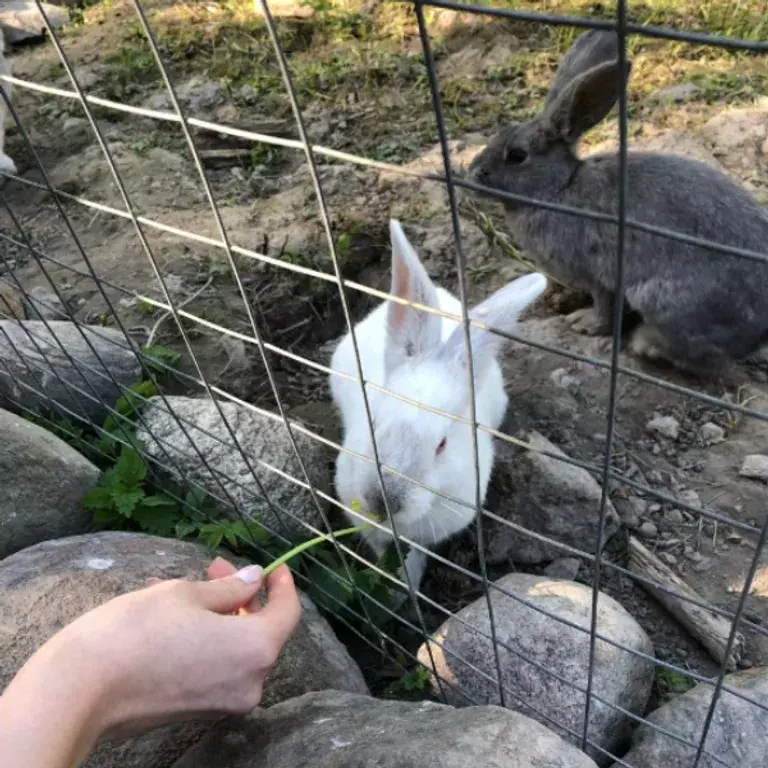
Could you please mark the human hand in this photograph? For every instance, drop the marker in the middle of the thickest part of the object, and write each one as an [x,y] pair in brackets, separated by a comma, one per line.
[170,652]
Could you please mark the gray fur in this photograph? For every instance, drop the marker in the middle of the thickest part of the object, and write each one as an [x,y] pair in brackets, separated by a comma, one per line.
[590,49]
[702,309]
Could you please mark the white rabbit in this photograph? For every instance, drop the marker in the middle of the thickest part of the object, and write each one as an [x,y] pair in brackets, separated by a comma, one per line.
[421,356]
[6,164]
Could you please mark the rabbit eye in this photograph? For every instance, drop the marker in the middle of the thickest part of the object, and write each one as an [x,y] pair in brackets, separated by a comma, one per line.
[440,446]
[515,155]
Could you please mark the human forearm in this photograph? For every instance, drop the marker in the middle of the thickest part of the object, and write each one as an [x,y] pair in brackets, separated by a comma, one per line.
[50,713]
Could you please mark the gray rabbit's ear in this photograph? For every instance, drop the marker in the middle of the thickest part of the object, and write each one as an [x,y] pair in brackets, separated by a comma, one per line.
[593,47]
[585,101]
[410,331]
[499,312]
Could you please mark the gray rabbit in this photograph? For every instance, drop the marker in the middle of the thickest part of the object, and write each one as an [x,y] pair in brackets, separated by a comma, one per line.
[702,309]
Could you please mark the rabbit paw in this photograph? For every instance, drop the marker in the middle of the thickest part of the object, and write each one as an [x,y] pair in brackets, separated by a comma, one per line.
[589,322]
[646,343]
[6,164]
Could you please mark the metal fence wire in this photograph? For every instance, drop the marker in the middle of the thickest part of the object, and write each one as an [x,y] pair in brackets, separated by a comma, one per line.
[359,621]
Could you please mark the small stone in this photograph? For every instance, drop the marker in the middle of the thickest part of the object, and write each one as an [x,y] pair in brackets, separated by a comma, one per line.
[654,477]
[746,663]
[76,128]
[690,497]
[711,434]
[10,303]
[648,530]
[563,379]
[703,565]
[654,508]
[668,558]
[673,517]
[666,426]
[733,538]
[693,555]
[42,304]
[755,467]
[679,93]
[563,568]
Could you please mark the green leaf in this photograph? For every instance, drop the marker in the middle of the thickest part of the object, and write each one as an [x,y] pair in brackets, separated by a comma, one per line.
[130,467]
[212,534]
[157,520]
[157,354]
[106,516]
[98,499]
[330,587]
[159,500]
[185,528]
[126,499]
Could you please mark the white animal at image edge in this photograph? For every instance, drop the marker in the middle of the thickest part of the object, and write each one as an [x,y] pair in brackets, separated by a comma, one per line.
[422,357]
[6,164]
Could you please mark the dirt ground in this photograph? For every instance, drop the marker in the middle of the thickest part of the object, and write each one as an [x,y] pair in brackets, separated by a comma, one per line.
[362,86]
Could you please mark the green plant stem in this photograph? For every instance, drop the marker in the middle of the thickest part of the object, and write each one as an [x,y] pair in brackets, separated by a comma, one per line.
[311,543]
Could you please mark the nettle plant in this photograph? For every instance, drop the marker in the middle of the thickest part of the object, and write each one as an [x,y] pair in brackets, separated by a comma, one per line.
[131,494]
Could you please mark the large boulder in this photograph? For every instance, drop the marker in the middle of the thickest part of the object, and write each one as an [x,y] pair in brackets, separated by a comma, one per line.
[45,587]
[736,736]
[61,366]
[340,730]
[265,443]
[42,480]
[547,496]
[22,20]
[464,656]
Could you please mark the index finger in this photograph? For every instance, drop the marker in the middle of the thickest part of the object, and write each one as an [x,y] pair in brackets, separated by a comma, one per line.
[282,611]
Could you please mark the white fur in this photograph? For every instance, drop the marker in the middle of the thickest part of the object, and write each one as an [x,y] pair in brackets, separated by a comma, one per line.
[6,164]
[433,374]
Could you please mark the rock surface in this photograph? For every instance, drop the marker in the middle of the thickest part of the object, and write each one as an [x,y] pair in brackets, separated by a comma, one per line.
[10,304]
[39,373]
[42,304]
[546,496]
[527,637]
[261,439]
[736,737]
[45,587]
[43,480]
[21,19]
[336,730]
[755,467]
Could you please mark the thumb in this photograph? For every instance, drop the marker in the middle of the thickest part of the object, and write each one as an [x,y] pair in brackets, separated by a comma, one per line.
[228,594]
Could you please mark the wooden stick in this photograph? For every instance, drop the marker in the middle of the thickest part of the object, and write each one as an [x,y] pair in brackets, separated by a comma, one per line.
[710,629]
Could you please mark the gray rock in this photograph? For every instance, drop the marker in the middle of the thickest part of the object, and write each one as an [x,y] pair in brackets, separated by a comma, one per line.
[756,467]
[531,637]
[546,496]
[37,372]
[43,480]
[21,19]
[666,426]
[631,510]
[339,730]
[711,434]
[563,568]
[673,517]
[736,737]
[196,95]
[261,440]
[648,530]
[77,129]
[42,304]
[42,588]
[690,498]
[679,93]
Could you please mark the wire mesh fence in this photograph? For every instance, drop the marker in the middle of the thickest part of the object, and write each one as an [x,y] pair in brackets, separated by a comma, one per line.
[67,379]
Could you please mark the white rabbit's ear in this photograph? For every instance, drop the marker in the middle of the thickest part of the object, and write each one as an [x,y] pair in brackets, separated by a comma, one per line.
[499,312]
[410,331]
[585,101]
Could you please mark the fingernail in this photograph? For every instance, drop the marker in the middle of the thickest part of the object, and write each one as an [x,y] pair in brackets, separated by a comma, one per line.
[250,574]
